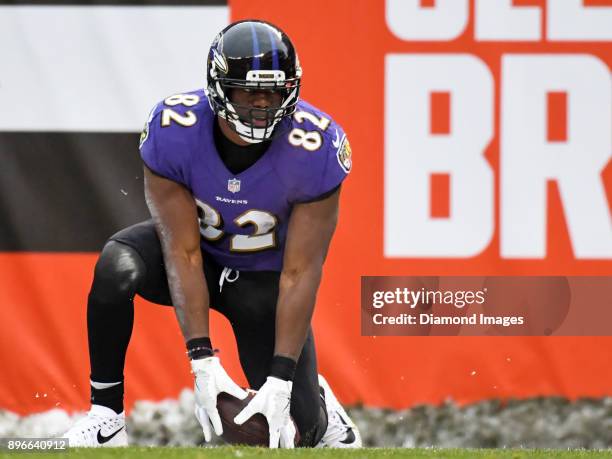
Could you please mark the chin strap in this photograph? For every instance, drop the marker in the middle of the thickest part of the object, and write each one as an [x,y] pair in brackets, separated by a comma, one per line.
[250,140]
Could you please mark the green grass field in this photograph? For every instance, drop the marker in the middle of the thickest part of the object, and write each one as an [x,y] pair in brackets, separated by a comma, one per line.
[365,453]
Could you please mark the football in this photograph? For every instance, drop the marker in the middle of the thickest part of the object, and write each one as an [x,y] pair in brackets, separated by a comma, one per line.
[254,432]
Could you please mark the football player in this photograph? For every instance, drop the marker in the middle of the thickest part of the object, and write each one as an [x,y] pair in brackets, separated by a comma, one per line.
[243,182]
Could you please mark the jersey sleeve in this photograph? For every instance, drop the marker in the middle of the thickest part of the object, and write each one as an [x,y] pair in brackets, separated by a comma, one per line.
[162,151]
[328,166]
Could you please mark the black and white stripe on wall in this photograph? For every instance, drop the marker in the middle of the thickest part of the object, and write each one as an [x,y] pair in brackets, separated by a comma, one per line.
[77,82]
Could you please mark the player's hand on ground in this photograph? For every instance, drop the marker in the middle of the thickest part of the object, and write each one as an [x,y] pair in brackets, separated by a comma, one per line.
[273,400]
[210,380]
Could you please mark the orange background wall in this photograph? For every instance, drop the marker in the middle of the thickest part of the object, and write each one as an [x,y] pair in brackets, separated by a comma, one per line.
[342,45]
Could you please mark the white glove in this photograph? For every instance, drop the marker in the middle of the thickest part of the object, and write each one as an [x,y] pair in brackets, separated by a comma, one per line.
[273,400]
[210,379]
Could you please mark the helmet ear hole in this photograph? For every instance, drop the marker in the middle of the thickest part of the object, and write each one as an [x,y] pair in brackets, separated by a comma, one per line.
[231,65]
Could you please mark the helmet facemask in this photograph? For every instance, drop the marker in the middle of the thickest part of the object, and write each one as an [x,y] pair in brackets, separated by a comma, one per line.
[255,124]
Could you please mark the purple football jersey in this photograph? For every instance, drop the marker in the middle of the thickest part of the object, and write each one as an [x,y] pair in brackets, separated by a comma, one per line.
[243,217]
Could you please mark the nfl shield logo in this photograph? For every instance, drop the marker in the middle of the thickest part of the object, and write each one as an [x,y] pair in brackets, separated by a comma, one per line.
[233,185]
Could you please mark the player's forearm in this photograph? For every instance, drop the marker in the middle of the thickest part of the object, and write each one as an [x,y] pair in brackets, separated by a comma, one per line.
[296,301]
[189,292]
[174,212]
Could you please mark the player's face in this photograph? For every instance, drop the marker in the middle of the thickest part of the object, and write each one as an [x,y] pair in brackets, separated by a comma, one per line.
[252,105]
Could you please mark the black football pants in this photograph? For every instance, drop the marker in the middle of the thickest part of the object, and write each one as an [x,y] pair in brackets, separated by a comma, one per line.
[131,263]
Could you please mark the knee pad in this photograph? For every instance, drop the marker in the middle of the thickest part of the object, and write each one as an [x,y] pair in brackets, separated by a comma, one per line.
[119,273]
